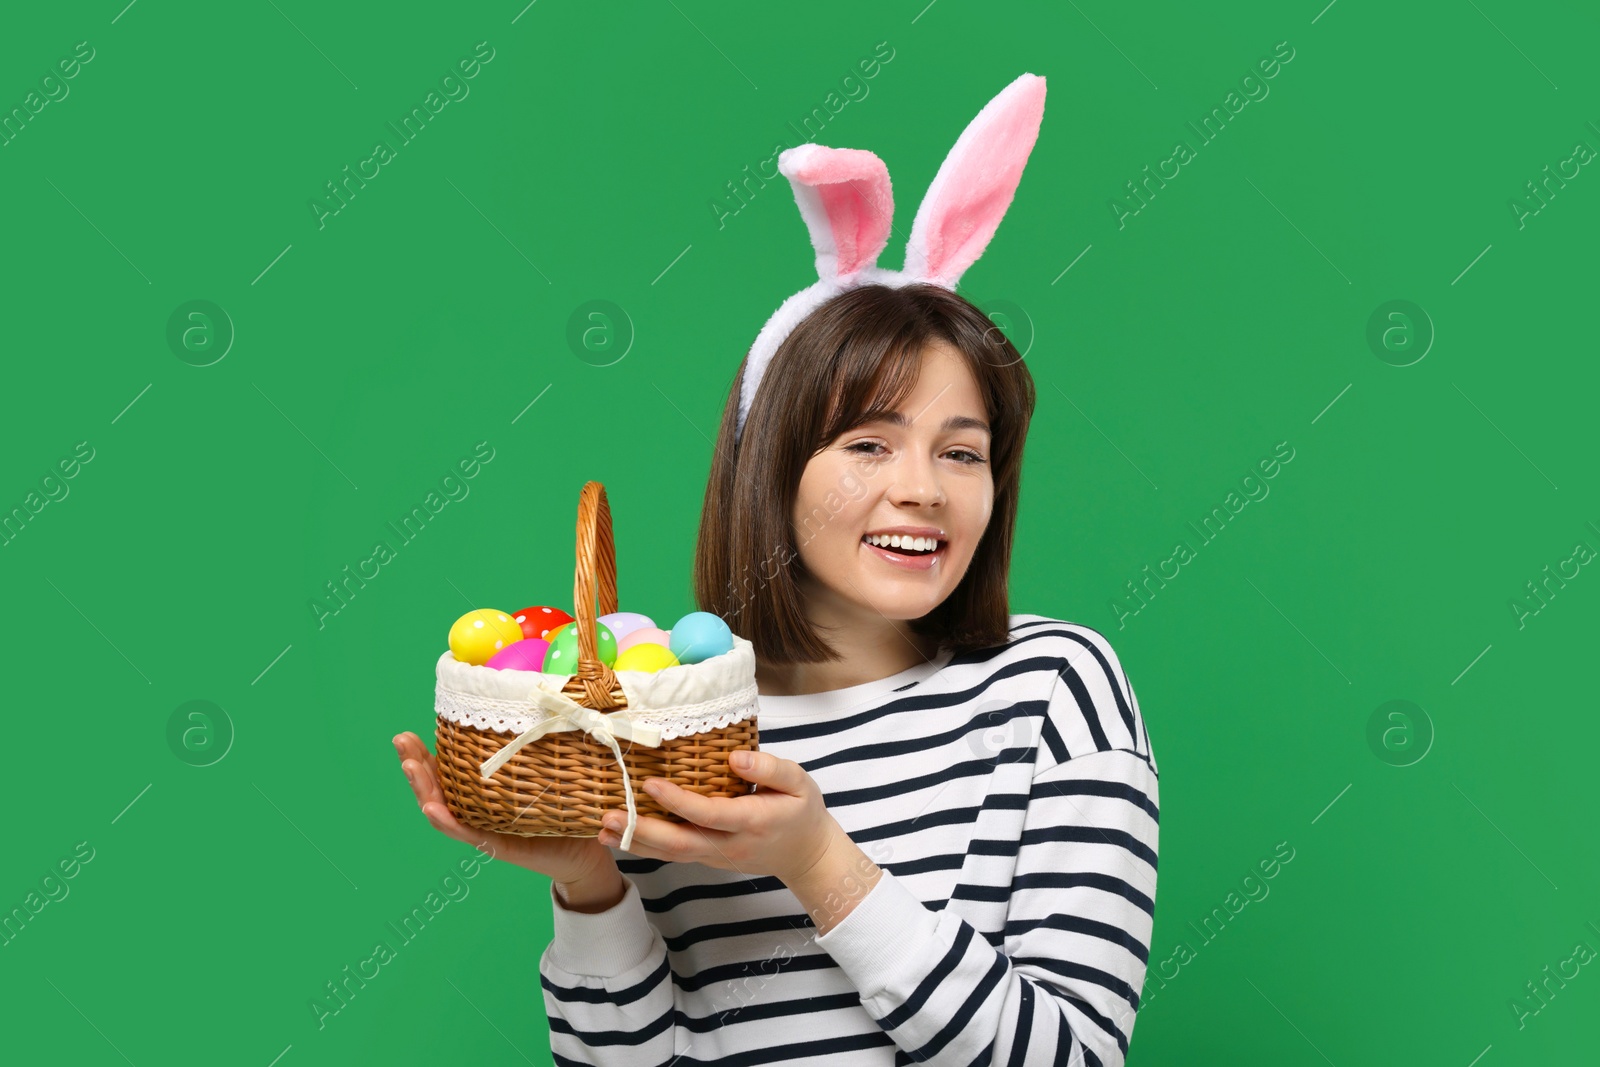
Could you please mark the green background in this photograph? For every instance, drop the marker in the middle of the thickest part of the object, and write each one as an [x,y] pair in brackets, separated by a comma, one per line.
[372,352]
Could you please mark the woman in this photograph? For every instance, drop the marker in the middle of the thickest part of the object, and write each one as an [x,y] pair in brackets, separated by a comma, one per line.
[951,853]
[957,849]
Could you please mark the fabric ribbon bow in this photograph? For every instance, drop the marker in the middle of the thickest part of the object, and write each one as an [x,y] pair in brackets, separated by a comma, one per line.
[568,714]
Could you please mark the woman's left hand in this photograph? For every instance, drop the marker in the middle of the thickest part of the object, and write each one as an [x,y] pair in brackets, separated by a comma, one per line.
[783,829]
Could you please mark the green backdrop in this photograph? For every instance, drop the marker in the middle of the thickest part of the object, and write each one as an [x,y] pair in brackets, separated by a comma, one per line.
[224,383]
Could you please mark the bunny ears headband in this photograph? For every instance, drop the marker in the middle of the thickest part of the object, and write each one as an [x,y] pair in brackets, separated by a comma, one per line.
[845,200]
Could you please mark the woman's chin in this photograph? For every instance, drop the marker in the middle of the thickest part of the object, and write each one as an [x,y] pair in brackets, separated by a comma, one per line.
[899,598]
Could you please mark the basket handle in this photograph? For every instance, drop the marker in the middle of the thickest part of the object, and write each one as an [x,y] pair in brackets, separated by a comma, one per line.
[596,563]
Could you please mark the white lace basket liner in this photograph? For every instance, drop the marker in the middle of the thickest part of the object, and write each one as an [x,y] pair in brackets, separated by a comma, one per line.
[679,701]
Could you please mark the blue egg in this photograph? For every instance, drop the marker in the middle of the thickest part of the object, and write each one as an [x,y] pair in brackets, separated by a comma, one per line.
[699,636]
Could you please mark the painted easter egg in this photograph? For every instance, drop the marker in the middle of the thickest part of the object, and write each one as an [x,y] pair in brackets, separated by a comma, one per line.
[479,634]
[563,655]
[525,655]
[623,623]
[641,635]
[645,656]
[698,636]
[539,620]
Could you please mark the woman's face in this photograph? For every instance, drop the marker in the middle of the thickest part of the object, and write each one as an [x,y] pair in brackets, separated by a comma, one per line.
[929,467]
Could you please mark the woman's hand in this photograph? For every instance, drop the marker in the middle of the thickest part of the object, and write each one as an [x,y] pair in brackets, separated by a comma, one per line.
[782,829]
[561,859]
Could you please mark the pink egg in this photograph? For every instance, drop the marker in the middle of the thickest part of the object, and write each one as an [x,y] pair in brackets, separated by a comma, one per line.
[643,633]
[623,623]
[524,655]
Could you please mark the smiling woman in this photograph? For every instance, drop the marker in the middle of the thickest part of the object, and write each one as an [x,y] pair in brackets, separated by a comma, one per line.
[927,462]
[950,856]
[914,420]
[954,856]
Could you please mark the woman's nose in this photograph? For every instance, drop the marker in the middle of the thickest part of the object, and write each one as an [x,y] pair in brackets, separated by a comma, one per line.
[916,481]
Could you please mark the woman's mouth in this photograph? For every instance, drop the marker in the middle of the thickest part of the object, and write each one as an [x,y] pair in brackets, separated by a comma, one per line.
[908,553]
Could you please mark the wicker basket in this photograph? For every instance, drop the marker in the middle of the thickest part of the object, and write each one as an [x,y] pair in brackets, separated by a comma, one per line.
[561,783]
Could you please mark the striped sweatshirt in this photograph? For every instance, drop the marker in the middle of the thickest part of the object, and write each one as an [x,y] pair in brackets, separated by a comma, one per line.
[1009,796]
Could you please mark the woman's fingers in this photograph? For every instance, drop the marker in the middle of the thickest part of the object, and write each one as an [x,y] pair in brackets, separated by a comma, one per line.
[772,772]
[407,745]
[410,746]
[430,798]
[439,815]
[422,783]
[422,771]
[665,840]
[715,813]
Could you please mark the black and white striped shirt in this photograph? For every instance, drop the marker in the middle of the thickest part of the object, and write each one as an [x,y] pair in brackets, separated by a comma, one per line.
[1009,796]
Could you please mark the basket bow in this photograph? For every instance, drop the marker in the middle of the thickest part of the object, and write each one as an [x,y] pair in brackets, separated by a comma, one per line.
[568,714]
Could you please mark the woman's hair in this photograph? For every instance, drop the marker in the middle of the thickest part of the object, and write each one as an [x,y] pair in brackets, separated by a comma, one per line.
[850,361]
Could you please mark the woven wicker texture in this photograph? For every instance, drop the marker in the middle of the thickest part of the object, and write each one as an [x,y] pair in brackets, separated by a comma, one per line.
[560,784]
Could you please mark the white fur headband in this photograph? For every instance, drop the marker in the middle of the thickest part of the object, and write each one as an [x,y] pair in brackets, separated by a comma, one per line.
[845,200]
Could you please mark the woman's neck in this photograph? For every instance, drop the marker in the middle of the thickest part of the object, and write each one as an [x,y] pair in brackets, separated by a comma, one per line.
[867,654]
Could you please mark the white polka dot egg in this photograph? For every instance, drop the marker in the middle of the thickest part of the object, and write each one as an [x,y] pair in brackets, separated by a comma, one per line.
[479,634]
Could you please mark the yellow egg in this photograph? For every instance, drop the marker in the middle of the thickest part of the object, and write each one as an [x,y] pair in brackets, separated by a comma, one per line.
[645,656]
[479,634]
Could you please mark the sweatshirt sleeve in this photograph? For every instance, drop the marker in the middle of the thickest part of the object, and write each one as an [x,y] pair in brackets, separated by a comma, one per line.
[608,990]
[1066,980]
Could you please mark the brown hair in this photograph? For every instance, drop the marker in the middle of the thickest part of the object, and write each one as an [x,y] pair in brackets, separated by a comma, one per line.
[851,360]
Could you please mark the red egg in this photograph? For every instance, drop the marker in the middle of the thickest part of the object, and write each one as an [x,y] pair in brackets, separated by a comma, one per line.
[539,620]
[525,655]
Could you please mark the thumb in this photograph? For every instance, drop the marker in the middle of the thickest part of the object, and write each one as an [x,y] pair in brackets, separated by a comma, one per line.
[764,768]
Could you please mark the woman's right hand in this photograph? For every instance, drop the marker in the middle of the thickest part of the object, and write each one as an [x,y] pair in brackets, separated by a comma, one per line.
[561,859]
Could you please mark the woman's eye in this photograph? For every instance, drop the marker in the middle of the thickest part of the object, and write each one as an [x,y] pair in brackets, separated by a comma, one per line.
[968,456]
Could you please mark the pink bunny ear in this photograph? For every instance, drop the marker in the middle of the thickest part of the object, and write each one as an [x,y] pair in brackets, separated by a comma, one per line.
[845,199]
[974,186]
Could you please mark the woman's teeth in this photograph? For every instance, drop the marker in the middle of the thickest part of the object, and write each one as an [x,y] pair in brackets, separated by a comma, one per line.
[903,544]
